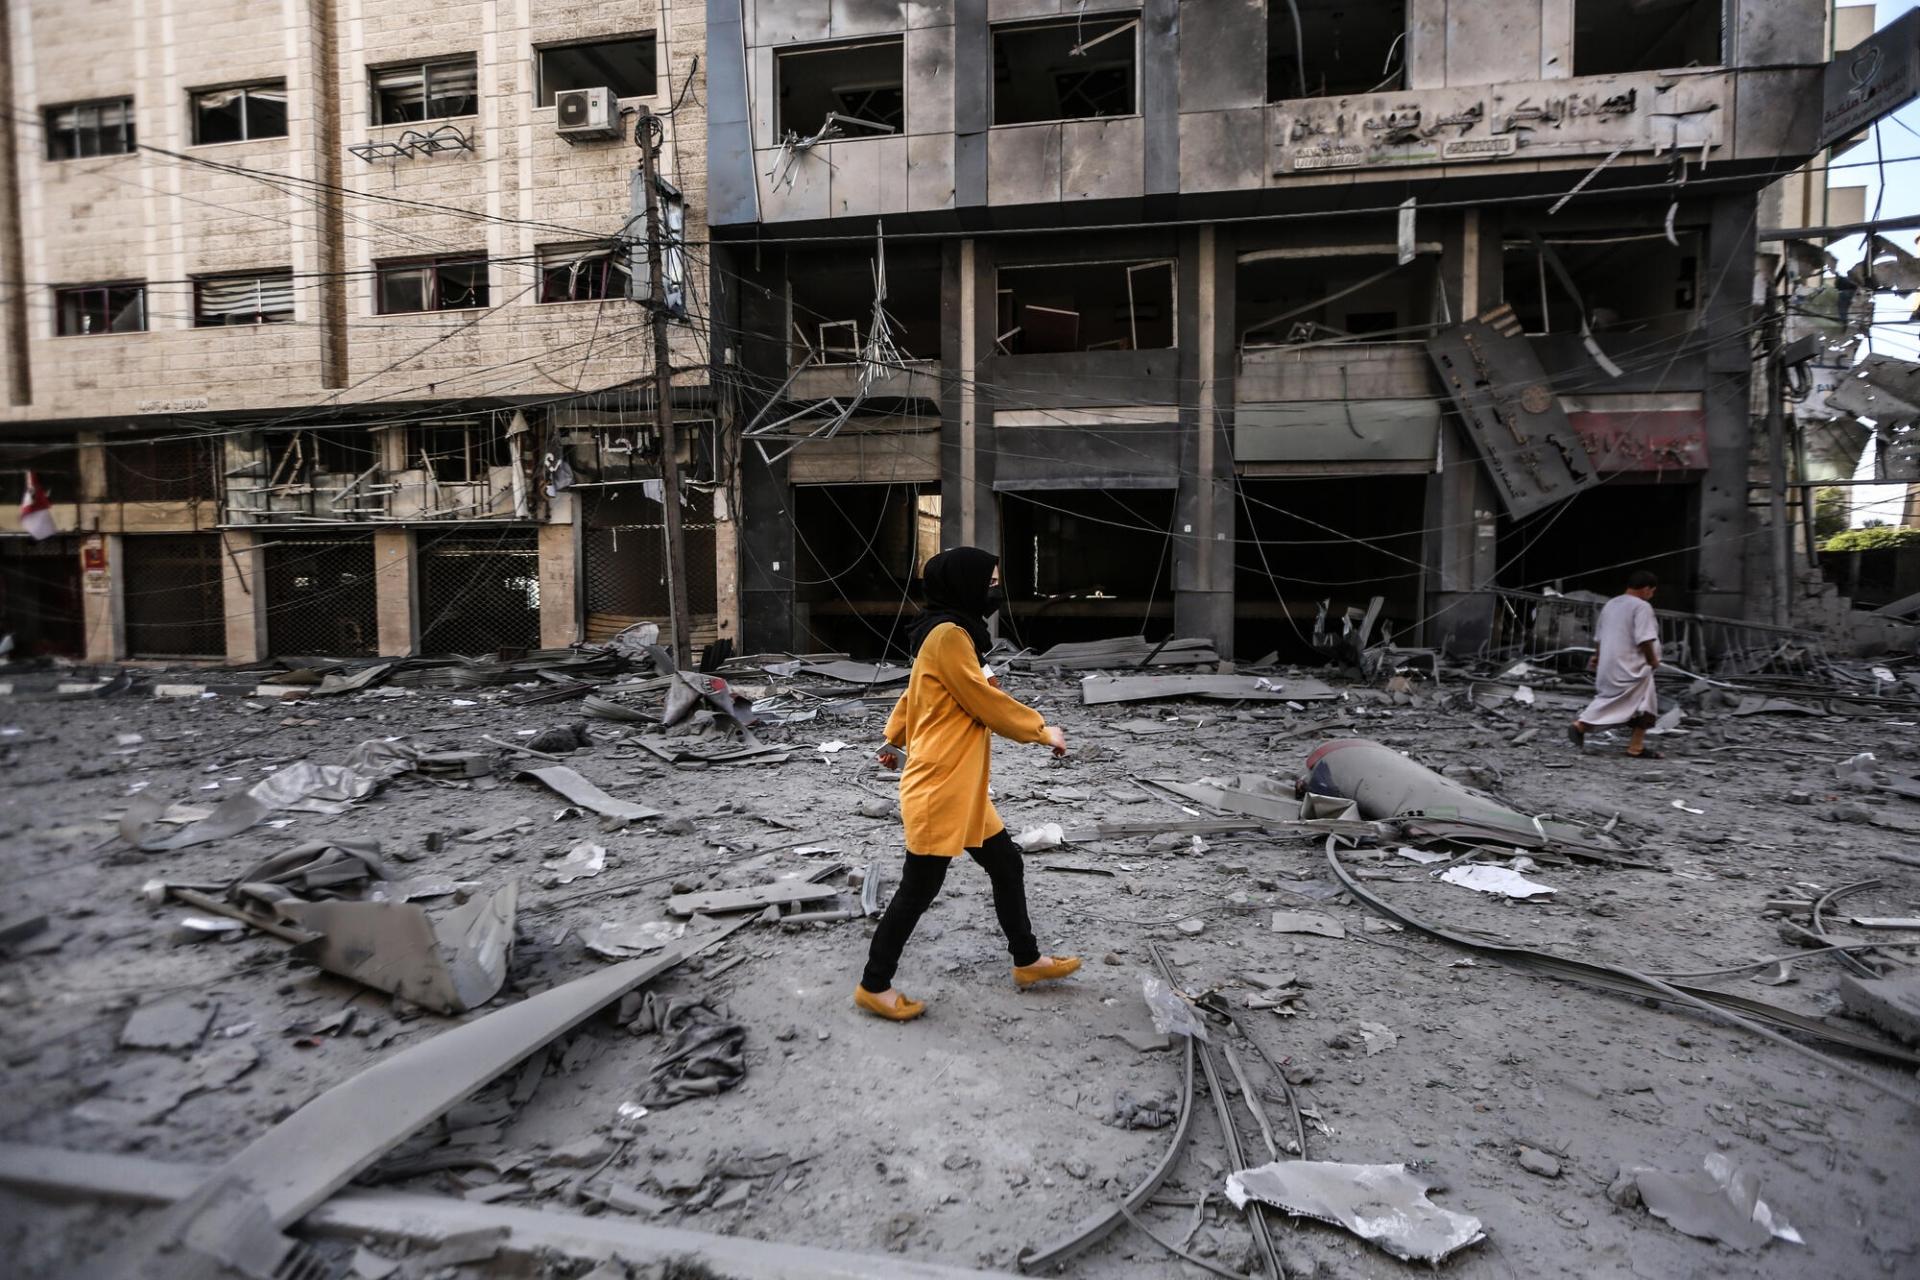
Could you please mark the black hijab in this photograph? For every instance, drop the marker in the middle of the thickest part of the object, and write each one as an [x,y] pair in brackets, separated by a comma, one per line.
[957,580]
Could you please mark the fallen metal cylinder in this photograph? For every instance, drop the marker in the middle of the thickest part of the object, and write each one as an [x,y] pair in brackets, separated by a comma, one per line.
[1386,785]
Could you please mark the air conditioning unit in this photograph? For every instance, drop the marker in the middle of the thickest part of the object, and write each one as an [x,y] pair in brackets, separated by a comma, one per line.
[586,113]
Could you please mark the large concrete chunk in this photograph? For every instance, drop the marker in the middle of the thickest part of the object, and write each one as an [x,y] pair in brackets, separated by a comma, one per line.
[1892,1004]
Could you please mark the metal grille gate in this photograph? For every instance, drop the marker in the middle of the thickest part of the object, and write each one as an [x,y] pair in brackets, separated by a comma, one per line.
[320,597]
[480,592]
[172,593]
[626,562]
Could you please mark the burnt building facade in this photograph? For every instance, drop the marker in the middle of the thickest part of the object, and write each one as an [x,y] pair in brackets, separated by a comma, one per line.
[1215,318]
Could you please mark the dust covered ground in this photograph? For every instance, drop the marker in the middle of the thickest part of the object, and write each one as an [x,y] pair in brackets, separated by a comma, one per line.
[987,1127]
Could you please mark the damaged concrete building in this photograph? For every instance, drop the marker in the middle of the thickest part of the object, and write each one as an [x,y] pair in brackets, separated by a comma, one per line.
[317,330]
[1219,319]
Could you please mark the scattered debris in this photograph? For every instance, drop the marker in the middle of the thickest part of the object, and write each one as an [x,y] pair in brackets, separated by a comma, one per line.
[578,790]
[624,941]
[449,967]
[1314,922]
[1722,1204]
[1048,835]
[584,859]
[1384,1204]
[1495,880]
[171,1022]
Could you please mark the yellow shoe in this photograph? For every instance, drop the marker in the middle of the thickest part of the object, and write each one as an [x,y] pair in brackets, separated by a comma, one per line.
[890,1004]
[1045,969]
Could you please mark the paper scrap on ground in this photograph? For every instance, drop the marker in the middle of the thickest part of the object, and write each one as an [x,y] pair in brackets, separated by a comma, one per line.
[1497,880]
[1384,1204]
[831,747]
[1684,807]
[1422,856]
[584,859]
[1379,1037]
[1723,1203]
[1308,922]
[1048,835]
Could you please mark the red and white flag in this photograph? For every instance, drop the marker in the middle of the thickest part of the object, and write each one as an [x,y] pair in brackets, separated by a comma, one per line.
[36,511]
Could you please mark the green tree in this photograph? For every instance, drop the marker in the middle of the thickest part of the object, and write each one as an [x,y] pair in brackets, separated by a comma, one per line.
[1872,539]
[1829,512]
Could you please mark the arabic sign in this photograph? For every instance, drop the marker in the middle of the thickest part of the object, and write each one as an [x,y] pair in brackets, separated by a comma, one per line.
[1594,115]
[1643,440]
[1507,407]
[1872,80]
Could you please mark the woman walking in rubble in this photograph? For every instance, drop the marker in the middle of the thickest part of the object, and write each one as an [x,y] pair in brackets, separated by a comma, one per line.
[945,722]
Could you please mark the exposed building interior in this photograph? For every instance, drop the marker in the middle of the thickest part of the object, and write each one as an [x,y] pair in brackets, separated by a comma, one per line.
[1627,281]
[857,550]
[1081,564]
[1349,48]
[1588,542]
[831,297]
[1284,296]
[1086,306]
[1302,542]
[859,82]
[1077,69]
[1612,36]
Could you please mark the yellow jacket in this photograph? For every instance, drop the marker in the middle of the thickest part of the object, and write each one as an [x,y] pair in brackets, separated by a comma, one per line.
[946,721]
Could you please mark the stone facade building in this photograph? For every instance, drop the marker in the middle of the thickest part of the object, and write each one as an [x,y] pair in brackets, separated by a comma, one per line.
[306,303]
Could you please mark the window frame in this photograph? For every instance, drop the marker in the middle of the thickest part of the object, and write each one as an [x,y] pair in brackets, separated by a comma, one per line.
[433,266]
[104,288]
[200,321]
[1120,16]
[246,90]
[129,137]
[558,257]
[787,54]
[426,67]
[544,95]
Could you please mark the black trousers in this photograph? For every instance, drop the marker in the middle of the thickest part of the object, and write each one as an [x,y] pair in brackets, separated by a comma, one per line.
[920,884]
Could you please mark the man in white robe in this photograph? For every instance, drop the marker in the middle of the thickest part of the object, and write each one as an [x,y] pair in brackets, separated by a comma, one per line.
[1626,639]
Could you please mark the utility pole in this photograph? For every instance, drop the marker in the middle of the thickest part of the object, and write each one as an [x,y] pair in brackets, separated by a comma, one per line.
[1782,536]
[647,134]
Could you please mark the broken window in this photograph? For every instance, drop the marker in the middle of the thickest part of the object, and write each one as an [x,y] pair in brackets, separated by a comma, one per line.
[624,65]
[431,284]
[426,91]
[1065,69]
[582,273]
[858,87]
[1636,282]
[1086,306]
[299,457]
[1287,296]
[456,452]
[830,298]
[240,114]
[89,309]
[85,129]
[1612,36]
[1349,47]
[259,298]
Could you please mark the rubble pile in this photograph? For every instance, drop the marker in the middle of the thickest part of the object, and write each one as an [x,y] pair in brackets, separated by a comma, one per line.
[465,966]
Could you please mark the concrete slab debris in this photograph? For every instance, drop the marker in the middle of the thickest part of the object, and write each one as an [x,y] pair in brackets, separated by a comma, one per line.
[1096,691]
[577,790]
[171,1022]
[449,966]
[427,1221]
[1384,1204]
[724,901]
[1314,922]
[1892,1004]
